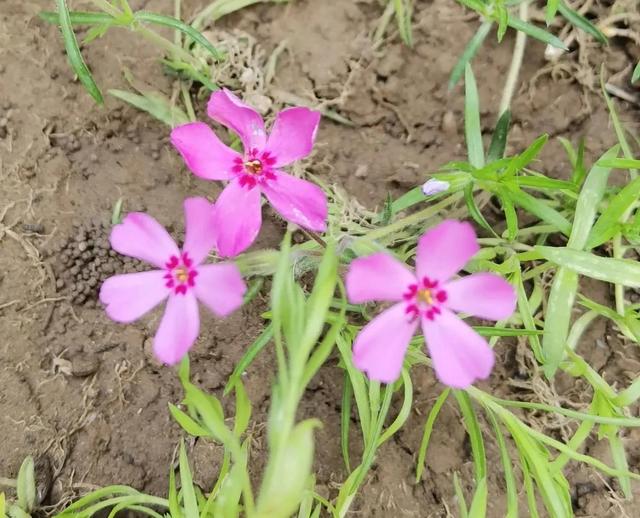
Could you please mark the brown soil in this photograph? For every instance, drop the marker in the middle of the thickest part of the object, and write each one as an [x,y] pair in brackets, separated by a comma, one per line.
[86,397]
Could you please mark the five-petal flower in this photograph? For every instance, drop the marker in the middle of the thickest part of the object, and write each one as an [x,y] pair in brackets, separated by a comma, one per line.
[181,277]
[257,170]
[428,298]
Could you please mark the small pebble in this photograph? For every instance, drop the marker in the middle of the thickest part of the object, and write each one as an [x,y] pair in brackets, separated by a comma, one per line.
[84,364]
[449,124]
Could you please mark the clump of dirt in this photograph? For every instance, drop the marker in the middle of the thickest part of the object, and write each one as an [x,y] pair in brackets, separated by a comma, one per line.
[85,259]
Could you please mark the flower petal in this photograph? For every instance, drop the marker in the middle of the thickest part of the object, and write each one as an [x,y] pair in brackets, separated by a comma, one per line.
[178,328]
[460,355]
[142,237]
[200,237]
[237,218]
[220,287]
[203,152]
[293,135]
[129,296]
[298,201]
[484,295]
[225,108]
[380,347]
[445,249]
[377,277]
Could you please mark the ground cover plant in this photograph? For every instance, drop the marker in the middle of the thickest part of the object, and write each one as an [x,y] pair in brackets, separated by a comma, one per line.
[477,275]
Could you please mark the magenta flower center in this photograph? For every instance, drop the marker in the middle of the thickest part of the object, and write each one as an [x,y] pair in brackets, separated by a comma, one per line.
[424,298]
[180,274]
[255,168]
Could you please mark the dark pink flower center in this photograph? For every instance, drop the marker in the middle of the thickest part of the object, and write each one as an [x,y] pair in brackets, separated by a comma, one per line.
[424,299]
[256,167]
[180,274]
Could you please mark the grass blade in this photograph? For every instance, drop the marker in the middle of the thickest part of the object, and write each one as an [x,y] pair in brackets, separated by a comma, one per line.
[173,23]
[636,74]
[345,420]
[186,481]
[403,17]
[462,504]
[155,104]
[73,53]
[248,357]
[78,18]
[472,130]
[536,207]
[499,138]
[608,269]
[428,428]
[469,52]
[536,32]
[507,467]
[475,435]
[581,22]
[552,9]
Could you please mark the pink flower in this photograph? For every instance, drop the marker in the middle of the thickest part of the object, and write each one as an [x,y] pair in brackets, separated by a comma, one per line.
[257,170]
[181,278]
[428,298]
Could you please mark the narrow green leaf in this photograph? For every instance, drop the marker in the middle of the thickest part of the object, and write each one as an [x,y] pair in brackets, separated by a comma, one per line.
[536,32]
[187,423]
[473,209]
[463,512]
[619,163]
[174,505]
[173,23]
[502,331]
[575,18]
[499,137]
[469,52]
[552,8]
[73,53]
[26,485]
[2,506]
[542,182]
[428,428]
[243,409]
[78,18]
[503,21]
[608,223]
[155,104]
[475,435]
[249,355]
[478,507]
[510,216]
[228,499]
[403,17]
[619,457]
[558,318]
[615,271]
[526,157]
[540,209]
[186,481]
[405,409]
[636,74]
[345,420]
[591,194]
[473,132]
[507,468]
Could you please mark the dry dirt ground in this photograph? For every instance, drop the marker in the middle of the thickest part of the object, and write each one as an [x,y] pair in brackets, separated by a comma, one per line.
[85,396]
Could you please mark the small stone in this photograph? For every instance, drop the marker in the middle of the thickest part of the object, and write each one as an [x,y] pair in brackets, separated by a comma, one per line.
[155,155]
[449,125]
[84,364]
[362,171]
[82,246]
[59,284]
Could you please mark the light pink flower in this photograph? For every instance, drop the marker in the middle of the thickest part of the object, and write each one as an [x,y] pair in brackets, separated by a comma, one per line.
[181,278]
[428,298]
[257,170]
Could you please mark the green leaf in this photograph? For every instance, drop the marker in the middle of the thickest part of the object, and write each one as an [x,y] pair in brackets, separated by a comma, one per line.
[174,505]
[503,21]
[503,331]
[473,133]
[615,271]
[249,355]
[469,52]
[591,194]
[499,138]
[428,428]
[608,223]
[475,435]
[173,23]
[542,182]
[156,104]
[526,157]
[511,217]
[2,506]
[73,53]
[507,468]
[26,485]
[473,209]
[552,8]
[78,18]
[186,481]
[463,512]
[636,74]
[581,22]
[403,17]
[538,208]
[345,420]
[285,479]
[187,423]
[536,32]
[405,409]
[228,497]
[243,410]
[478,507]
[619,163]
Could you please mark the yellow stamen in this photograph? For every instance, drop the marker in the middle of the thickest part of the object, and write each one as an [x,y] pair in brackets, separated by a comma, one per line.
[182,274]
[253,166]
[425,296]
